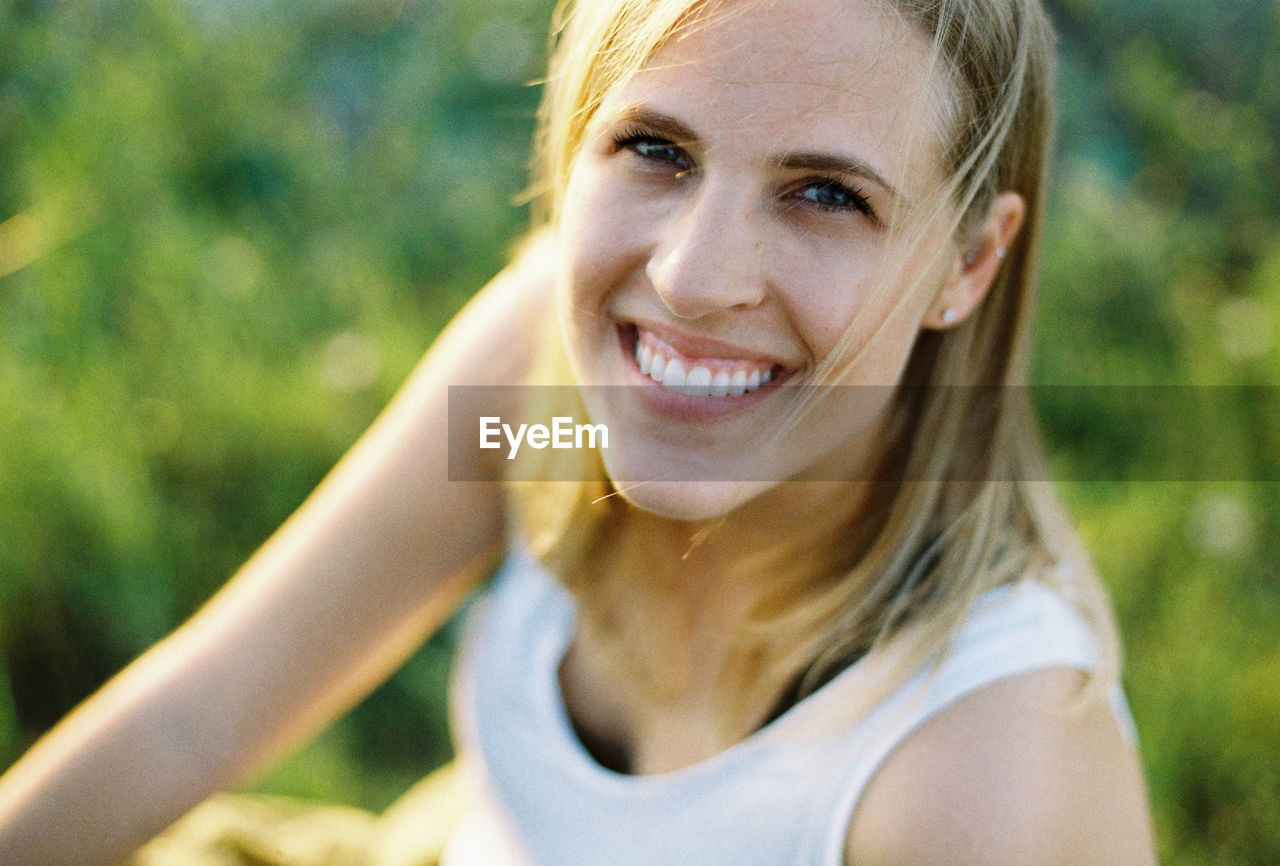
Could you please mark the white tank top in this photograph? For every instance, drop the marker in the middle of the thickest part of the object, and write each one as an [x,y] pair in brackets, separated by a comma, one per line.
[786,794]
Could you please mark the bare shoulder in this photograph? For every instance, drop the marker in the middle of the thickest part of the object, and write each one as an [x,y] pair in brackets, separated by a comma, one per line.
[493,339]
[1009,774]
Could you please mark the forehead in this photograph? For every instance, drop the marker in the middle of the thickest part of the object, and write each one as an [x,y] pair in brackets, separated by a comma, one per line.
[798,75]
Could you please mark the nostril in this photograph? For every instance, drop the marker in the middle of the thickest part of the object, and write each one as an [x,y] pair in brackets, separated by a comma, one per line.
[709,260]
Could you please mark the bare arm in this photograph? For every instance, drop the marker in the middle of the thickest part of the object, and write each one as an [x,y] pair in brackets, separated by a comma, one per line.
[1009,774]
[373,562]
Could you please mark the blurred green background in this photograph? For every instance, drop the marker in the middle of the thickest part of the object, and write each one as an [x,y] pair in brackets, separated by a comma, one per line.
[228,230]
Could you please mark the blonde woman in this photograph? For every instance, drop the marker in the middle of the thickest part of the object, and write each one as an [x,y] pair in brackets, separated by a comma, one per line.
[813,602]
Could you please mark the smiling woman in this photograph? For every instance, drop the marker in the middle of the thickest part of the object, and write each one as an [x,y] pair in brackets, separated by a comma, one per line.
[810,602]
[730,208]
[837,203]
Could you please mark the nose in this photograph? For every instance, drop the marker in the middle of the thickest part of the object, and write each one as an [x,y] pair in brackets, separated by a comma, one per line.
[708,257]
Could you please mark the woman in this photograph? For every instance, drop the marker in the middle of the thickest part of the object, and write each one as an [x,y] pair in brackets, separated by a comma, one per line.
[809,604]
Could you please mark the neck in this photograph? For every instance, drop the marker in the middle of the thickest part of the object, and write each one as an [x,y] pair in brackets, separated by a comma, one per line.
[662,641]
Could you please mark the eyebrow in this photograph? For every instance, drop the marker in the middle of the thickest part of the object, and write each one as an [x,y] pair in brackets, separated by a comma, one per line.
[660,124]
[829,163]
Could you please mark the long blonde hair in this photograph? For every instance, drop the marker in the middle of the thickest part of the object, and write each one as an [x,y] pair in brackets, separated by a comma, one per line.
[964,504]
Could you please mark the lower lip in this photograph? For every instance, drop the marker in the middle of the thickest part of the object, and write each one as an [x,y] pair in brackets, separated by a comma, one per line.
[683,407]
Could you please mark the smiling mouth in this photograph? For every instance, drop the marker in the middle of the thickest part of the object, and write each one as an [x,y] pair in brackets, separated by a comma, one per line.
[697,377]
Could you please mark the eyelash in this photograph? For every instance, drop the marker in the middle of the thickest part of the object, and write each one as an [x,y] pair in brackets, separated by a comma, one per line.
[631,137]
[857,199]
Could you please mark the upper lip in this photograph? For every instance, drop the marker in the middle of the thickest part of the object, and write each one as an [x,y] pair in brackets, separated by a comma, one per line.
[694,346]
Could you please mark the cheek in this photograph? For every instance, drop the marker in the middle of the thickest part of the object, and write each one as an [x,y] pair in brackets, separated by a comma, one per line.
[593,237]
[857,318]
[829,294]
[597,230]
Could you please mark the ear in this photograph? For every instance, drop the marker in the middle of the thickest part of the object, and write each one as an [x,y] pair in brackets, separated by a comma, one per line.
[977,264]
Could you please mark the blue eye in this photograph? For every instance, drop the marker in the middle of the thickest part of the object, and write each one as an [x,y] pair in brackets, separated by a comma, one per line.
[654,149]
[662,151]
[833,195]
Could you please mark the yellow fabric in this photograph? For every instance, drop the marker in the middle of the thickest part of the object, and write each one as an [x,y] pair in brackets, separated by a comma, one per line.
[260,830]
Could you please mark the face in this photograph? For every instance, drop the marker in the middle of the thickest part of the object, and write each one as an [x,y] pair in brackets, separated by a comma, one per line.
[737,214]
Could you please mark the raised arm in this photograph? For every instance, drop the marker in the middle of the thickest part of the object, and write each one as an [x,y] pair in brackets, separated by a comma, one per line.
[374,561]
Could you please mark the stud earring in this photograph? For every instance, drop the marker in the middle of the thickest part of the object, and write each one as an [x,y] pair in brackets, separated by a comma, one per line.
[948,316]
[1000,252]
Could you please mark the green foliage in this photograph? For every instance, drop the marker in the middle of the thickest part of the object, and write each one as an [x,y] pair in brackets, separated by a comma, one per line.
[1161,268]
[227,231]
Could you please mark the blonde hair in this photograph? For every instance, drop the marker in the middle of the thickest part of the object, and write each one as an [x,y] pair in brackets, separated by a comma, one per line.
[952,521]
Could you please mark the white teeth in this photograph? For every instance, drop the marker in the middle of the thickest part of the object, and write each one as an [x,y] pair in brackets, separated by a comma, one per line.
[698,384]
[720,384]
[673,376]
[699,381]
